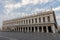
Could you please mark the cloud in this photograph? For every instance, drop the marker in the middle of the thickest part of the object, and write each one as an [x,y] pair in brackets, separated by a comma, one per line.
[25,2]
[11,6]
[56,9]
[58,16]
[57,0]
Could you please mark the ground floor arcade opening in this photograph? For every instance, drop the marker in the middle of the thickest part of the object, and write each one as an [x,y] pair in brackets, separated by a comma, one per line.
[45,29]
[49,29]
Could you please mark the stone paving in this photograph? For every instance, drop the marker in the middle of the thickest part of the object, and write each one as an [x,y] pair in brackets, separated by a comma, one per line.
[28,36]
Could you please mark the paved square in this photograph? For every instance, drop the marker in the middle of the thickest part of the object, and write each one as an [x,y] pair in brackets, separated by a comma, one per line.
[28,36]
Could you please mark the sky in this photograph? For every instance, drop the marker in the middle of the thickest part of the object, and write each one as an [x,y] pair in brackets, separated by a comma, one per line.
[10,9]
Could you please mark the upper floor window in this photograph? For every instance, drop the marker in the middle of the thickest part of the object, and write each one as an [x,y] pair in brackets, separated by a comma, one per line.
[32,21]
[26,21]
[39,20]
[48,18]
[43,19]
[17,22]
[29,21]
[35,20]
[21,22]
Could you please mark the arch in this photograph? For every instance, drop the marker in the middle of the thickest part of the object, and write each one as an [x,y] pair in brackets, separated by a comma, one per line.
[40,29]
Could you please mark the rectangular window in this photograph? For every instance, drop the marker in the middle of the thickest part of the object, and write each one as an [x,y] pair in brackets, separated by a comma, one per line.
[19,22]
[32,21]
[48,18]
[29,21]
[35,20]
[43,19]
[26,21]
[39,20]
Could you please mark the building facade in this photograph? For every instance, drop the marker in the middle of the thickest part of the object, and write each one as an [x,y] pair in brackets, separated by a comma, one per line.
[41,22]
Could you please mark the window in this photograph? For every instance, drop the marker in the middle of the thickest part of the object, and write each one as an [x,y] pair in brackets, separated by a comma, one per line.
[26,21]
[43,19]
[32,21]
[35,20]
[29,21]
[48,18]
[17,22]
[39,20]
[21,22]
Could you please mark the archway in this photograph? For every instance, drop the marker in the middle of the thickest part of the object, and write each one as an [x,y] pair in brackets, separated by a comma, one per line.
[44,28]
[32,29]
[40,29]
[49,29]
[36,29]
[29,29]
[24,29]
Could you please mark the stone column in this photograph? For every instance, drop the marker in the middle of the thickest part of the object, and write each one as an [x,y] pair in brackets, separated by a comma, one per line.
[53,28]
[31,29]
[47,28]
[38,29]
[22,29]
[42,29]
[34,29]
[27,29]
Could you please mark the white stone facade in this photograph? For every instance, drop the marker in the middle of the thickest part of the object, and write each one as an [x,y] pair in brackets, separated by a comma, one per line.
[42,22]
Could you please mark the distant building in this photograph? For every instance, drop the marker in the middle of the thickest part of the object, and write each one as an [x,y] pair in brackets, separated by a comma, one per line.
[59,29]
[41,22]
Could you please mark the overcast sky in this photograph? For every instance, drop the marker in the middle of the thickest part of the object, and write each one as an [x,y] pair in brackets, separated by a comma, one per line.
[10,9]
